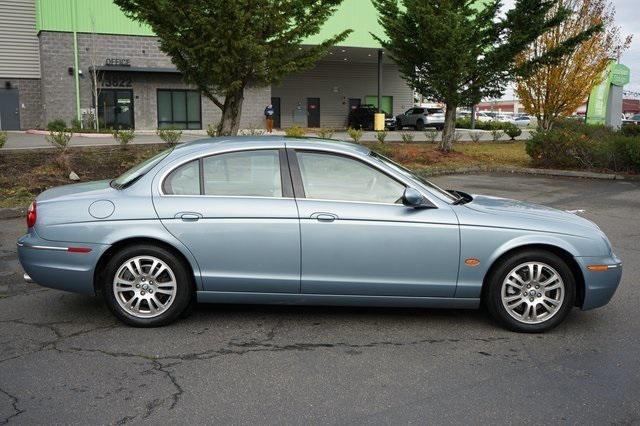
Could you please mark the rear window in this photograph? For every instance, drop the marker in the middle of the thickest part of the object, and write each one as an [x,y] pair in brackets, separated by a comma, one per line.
[136,172]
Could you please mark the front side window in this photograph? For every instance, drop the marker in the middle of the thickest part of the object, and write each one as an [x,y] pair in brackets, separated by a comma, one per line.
[334,177]
[246,173]
[179,109]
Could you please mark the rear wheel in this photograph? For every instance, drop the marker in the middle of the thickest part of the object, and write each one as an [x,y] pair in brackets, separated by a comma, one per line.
[398,125]
[147,286]
[533,291]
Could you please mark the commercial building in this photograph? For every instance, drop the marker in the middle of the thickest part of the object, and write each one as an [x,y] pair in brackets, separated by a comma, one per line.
[47,49]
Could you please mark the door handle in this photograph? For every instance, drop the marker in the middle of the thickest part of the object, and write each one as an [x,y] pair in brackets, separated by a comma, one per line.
[324,217]
[189,217]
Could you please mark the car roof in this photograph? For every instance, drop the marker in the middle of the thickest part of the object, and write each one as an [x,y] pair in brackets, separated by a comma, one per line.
[206,144]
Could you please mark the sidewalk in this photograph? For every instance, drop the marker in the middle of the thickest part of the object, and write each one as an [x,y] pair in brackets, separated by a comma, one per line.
[22,140]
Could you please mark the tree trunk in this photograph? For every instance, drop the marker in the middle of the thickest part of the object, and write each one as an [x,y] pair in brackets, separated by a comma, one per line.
[448,132]
[231,111]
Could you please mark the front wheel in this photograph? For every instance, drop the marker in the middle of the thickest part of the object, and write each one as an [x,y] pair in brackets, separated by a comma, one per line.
[147,286]
[533,291]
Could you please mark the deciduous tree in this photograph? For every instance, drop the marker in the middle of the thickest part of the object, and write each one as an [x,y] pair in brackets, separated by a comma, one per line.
[557,90]
[223,46]
[460,51]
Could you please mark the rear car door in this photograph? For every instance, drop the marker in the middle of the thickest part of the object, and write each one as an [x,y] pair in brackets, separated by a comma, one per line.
[236,213]
[358,239]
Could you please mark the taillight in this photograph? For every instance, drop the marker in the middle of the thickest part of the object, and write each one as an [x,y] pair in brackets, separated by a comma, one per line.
[31,215]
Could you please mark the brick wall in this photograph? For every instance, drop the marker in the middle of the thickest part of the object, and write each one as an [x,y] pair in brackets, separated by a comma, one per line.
[58,87]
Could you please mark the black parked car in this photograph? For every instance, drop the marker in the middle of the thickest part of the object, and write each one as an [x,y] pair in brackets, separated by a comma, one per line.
[362,117]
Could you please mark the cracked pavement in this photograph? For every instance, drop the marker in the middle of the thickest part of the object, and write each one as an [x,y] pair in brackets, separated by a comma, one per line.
[65,360]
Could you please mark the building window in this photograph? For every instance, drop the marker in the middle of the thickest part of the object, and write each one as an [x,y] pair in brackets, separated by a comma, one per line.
[179,109]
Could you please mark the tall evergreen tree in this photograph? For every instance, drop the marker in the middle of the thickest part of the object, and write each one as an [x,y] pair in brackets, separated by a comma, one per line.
[460,51]
[223,46]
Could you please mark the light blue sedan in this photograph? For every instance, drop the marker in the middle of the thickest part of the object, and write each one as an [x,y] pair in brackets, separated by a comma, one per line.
[273,220]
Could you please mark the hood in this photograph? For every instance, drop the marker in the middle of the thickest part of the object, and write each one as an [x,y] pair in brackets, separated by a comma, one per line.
[527,211]
[94,189]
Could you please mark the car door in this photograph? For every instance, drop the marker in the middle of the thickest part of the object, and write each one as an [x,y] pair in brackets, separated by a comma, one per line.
[358,239]
[236,213]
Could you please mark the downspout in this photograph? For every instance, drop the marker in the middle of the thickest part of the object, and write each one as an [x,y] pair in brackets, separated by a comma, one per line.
[76,71]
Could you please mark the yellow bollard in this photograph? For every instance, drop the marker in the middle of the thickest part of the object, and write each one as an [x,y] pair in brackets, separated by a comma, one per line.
[378,122]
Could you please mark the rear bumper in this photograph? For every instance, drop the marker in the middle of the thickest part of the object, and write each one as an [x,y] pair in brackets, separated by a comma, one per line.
[51,264]
[599,286]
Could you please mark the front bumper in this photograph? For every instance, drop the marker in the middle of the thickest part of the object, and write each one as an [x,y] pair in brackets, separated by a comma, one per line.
[51,264]
[599,286]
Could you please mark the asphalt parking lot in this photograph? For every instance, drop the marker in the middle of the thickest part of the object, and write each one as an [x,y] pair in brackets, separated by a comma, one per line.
[65,360]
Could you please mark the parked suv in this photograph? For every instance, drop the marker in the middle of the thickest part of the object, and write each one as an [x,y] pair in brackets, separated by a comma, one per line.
[362,117]
[420,117]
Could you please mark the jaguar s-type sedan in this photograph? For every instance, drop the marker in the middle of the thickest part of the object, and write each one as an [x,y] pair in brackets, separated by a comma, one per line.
[271,220]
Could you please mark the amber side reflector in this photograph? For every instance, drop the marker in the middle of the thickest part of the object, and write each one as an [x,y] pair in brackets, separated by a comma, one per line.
[598,268]
[472,261]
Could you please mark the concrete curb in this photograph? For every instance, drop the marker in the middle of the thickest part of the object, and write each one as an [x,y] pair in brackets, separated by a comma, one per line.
[12,212]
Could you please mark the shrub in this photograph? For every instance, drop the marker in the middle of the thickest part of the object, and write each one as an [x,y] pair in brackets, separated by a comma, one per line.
[431,135]
[465,123]
[294,132]
[406,137]
[355,134]
[580,145]
[496,135]
[512,131]
[59,139]
[170,135]
[325,133]
[3,139]
[76,125]
[475,136]
[381,135]
[212,130]
[631,130]
[57,125]
[123,137]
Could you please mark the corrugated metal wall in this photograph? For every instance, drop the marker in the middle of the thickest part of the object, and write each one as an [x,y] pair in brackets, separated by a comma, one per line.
[19,51]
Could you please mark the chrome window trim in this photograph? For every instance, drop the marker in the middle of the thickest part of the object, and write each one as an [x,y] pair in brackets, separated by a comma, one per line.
[164,175]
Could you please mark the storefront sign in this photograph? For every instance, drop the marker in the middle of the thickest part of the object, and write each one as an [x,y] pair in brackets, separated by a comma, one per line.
[117,62]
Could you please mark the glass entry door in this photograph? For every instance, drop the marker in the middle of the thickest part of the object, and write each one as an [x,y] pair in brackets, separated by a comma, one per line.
[115,108]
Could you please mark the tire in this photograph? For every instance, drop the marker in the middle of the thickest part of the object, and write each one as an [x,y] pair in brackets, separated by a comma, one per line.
[505,297]
[398,125]
[419,125]
[141,271]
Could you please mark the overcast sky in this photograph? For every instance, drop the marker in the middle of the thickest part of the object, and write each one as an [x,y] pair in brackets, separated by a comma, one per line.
[628,19]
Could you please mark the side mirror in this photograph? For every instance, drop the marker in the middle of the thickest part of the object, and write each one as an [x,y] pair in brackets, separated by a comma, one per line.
[413,198]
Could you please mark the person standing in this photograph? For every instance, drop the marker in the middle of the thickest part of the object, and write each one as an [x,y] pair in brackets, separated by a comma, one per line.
[268,115]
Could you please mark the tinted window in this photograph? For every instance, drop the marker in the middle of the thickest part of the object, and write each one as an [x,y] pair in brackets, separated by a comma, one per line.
[185,180]
[435,111]
[333,177]
[135,173]
[179,109]
[247,173]
[418,110]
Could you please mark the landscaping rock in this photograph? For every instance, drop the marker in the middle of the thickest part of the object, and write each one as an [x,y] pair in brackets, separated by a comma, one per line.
[74,176]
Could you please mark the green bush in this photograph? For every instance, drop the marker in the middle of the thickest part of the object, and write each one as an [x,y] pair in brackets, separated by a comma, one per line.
[580,145]
[59,139]
[57,125]
[212,130]
[294,132]
[123,137]
[170,135]
[3,139]
[512,131]
[381,135]
[631,130]
[496,134]
[406,137]
[431,135]
[76,125]
[465,123]
[355,134]
[325,133]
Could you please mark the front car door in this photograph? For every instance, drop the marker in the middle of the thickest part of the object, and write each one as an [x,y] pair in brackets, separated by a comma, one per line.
[236,213]
[357,237]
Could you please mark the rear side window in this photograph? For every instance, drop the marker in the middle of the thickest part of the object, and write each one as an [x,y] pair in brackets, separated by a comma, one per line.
[435,111]
[246,173]
[185,180]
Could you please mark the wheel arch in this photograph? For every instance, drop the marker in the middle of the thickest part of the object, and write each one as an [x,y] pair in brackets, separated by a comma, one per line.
[126,242]
[562,253]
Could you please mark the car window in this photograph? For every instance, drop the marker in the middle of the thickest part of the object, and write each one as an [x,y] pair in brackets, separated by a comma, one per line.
[246,173]
[418,110]
[184,180]
[335,177]
[435,111]
[409,111]
[136,172]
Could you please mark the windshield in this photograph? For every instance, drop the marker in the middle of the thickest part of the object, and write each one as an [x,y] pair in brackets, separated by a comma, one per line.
[136,172]
[408,173]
